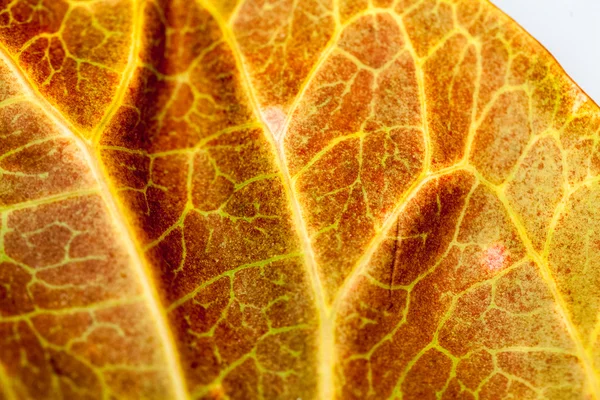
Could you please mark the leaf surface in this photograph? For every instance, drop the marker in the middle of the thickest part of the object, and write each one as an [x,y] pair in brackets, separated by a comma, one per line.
[293,199]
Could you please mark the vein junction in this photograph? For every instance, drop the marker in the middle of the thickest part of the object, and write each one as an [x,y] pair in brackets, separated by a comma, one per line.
[379,199]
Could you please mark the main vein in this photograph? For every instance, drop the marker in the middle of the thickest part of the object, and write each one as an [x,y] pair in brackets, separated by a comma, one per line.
[138,263]
[326,338]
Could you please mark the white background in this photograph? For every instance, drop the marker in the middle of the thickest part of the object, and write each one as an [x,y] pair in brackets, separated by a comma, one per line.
[569,29]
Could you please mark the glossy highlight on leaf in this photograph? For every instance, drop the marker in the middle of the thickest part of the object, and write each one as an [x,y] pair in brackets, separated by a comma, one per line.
[293,199]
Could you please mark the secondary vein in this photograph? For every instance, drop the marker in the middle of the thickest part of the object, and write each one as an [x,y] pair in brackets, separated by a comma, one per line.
[548,278]
[326,338]
[120,223]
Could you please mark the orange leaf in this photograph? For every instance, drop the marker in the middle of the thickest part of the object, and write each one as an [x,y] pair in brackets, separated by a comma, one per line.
[293,199]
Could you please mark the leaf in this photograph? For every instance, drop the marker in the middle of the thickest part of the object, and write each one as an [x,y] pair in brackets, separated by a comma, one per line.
[293,199]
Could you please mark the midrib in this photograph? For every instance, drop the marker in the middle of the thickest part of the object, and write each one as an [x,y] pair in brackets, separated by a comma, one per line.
[138,263]
[328,313]
[326,342]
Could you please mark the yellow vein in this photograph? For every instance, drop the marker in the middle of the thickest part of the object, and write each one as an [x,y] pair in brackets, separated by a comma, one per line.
[235,12]
[136,38]
[559,212]
[12,100]
[104,305]
[380,235]
[230,274]
[5,386]
[546,274]
[420,76]
[138,263]
[421,180]
[474,107]
[326,339]
[325,53]
[49,199]
[326,149]
[336,14]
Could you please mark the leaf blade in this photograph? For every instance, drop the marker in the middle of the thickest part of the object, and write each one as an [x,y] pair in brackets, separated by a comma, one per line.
[196,142]
[79,199]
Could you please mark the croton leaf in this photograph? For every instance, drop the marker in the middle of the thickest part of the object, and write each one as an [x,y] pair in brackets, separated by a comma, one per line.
[293,199]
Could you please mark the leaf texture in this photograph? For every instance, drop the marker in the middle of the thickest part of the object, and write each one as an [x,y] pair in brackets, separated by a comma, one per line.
[293,199]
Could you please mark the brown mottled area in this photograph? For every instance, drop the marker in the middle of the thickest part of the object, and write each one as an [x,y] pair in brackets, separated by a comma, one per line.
[474,63]
[39,161]
[449,64]
[451,77]
[578,141]
[70,301]
[574,255]
[437,16]
[63,244]
[348,9]
[389,315]
[207,110]
[36,159]
[39,368]
[355,143]
[253,321]
[74,53]
[281,41]
[374,40]
[440,310]
[450,59]
[351,8]
[502,136]
[69,298]
[196,172]
[537,188]
[442,163]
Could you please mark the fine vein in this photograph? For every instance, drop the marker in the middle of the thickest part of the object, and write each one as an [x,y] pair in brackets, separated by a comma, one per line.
[548,278]
[326,338]
[137,262]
